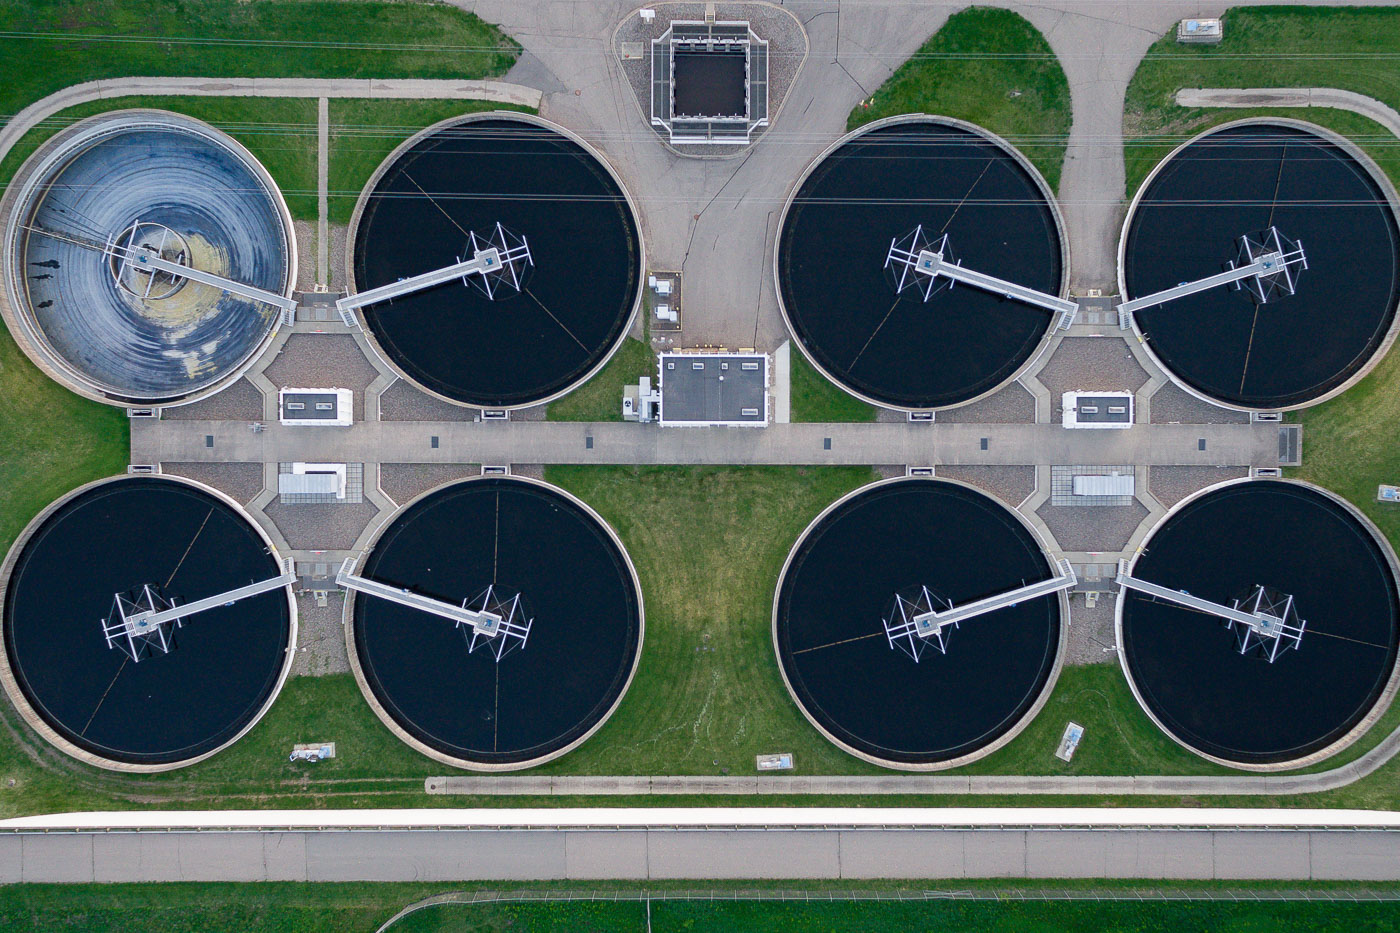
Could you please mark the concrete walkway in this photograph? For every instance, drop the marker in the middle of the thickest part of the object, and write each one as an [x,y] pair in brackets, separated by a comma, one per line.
[1292,97]
[391,845]
[158,441]
[323,169]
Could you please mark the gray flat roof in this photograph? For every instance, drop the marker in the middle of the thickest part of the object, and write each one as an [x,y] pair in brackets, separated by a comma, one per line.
[310,400]
[714,388]
[1102,403]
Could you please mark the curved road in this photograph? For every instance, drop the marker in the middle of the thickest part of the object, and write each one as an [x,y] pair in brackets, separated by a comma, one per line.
[715,219]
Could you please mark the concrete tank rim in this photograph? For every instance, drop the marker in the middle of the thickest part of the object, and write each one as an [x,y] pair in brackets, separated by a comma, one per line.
[18,200]
[1048,338]
[1344,143]
[1378,708]
[353,230]
[1062,636]
[465,764]
[31,716]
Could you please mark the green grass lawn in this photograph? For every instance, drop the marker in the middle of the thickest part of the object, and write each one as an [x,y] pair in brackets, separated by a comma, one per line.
[1266,47]
[990,67]
[708,545]
[364,132]
[51,44]
[816,398]
[898,917]
[1033,917]
[600,398]
[1352,443]
[50,440]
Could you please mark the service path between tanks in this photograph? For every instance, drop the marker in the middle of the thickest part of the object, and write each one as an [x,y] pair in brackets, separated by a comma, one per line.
[162,441]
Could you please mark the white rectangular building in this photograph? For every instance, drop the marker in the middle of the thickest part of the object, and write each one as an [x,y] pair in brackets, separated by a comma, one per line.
[1097,410]
[325,408]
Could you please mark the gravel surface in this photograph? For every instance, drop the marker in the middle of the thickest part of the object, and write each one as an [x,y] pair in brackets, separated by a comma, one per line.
[1010,484]
[1171,484]
[306,254]
[536,470]
[1094,364]
[339,237]
[1172,405]
[403,401]
[321,527]
[1091,631]
[323,361]
[1093,528]
[239,481]
[1012,405]
[239,402]
[320,637]
[786,51]
[404,481]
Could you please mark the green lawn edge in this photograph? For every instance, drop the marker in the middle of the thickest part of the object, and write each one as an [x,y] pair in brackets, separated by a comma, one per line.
[990,67]
[284,907]
[52,44]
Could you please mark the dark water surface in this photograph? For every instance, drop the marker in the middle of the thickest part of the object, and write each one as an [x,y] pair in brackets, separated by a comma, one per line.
[898,349]
[540,185]
[1239,182]
[1244,708]
[523,538]
[167,707]
[843,576]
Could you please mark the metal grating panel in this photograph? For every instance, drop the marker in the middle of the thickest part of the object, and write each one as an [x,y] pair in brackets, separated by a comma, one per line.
[354,488]
[1290,445]
[1062,485]
[758,83]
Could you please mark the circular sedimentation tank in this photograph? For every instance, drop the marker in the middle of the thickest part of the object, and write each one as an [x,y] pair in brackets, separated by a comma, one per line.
[164,710]
[1319,191]
[876,186]
[497,705]
[154,183]
[902,539]
[546,188]
[1186,666]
